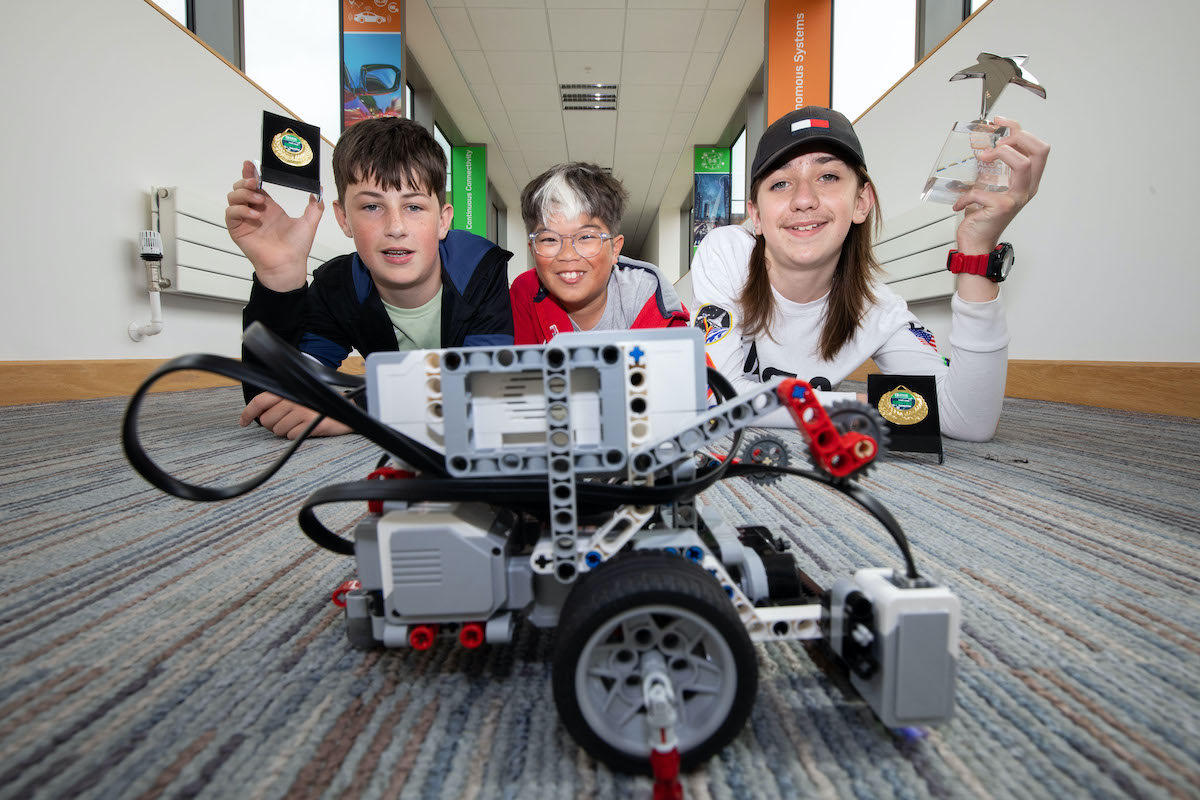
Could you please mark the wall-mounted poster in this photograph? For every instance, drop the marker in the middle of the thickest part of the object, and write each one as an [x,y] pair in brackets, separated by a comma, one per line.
[468,176]
[372,60]
[799,60]
[713,191]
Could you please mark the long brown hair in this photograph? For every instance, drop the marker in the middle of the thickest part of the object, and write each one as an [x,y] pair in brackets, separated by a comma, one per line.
[849,296]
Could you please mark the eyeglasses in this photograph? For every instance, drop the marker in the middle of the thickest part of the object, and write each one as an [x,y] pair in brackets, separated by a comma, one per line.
[587,244]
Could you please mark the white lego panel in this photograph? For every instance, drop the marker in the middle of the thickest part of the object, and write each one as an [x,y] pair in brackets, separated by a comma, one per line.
[890,602]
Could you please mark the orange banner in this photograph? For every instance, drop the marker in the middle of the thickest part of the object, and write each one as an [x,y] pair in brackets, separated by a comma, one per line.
[372,16]
[799,55]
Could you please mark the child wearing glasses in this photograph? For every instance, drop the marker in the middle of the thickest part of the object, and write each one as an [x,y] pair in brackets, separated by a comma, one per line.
[580,280]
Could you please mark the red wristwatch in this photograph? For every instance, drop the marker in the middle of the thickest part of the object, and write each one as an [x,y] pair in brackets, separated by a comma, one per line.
[994,266]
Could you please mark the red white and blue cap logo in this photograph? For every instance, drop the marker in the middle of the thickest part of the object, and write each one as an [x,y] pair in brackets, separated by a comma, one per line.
[801,124]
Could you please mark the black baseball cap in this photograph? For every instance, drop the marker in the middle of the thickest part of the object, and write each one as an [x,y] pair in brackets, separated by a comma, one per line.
[805,126]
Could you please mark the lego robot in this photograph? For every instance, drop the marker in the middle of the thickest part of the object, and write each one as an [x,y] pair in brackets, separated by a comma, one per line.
[560,484]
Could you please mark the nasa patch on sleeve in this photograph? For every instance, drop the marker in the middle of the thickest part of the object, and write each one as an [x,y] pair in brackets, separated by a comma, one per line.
[716,322]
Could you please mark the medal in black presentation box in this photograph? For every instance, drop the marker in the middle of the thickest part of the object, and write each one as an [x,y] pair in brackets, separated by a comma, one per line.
[291,153]
[909,405]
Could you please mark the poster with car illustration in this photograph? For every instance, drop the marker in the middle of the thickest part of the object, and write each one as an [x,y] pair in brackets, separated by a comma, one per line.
[372,58]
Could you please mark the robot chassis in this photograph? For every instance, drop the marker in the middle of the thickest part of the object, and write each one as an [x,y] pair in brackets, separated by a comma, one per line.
[559,483]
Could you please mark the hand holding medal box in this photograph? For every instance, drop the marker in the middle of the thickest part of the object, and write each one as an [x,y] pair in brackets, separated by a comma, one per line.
[957,169]
[291,153]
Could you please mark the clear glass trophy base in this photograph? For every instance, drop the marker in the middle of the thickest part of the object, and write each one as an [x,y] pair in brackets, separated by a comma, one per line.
[958,170]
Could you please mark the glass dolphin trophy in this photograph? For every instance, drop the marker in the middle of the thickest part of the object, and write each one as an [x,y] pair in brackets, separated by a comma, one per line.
[957,169]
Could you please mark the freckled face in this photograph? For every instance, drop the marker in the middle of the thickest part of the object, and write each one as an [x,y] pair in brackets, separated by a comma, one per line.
[804,210]
[396,233]
[578,284]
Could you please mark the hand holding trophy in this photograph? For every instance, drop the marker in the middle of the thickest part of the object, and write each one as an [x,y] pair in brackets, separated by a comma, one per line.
[957,169]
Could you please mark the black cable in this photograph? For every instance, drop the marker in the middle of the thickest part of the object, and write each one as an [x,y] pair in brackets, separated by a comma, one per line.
[852,490]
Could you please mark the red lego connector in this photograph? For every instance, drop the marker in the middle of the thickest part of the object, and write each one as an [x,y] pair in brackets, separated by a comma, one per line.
[339,594]
[421,636]
[666,774]
[837,454]
[471,635]
[385,473]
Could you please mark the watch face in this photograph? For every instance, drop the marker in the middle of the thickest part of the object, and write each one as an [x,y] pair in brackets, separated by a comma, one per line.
[1002,261]
[1006,263]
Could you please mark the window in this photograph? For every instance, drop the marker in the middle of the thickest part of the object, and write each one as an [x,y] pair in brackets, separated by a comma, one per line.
[737,201]
[872,49]
[441,139]
[295,56]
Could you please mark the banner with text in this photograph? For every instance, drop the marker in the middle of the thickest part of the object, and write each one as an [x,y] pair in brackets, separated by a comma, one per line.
[799,55]
[713,191]
[468,188]
[372,60]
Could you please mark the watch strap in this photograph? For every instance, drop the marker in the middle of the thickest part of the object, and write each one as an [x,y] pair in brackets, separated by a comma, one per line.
[959,263]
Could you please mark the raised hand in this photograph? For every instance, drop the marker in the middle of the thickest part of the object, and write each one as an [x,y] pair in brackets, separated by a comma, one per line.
[276,244]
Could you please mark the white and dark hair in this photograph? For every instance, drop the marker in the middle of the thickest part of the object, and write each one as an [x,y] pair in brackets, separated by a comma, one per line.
[571,191]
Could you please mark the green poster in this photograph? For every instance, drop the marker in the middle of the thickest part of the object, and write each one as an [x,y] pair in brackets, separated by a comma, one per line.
[713,159]
[468,188]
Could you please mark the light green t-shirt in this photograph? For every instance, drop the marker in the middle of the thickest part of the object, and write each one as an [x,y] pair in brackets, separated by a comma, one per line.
[418,328]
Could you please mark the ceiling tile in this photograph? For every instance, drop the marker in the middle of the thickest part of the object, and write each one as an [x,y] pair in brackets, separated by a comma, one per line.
[498,122]
[503,3]
[544,140]
[729,4]
[715,30]
[587,29]
[511,28]
[681,123]
[456,27]
[638,143]
[439,3]
[690,98]
[646,123]
[664,3]
[585,4]
[518,67]
[530,97]
[588,67]
[487,96]
[647,98]
[650,68]
[535,121]
[701,67]
[674,142]
[661,31]
[634,169]
[474,66]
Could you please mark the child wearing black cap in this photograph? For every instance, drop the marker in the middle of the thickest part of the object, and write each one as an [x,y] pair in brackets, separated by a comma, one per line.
[798,296]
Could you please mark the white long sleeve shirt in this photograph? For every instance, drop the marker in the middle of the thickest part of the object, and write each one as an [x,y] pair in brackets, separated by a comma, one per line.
[970,389]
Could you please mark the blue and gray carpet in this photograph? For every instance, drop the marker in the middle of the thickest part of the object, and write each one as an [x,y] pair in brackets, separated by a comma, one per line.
[152,647]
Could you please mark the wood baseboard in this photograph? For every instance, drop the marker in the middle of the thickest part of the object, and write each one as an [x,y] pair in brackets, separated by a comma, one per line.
[1156,388]
[1152,387]
[53,381]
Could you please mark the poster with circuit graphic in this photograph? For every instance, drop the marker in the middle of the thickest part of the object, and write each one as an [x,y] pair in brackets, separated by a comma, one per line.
[713,191]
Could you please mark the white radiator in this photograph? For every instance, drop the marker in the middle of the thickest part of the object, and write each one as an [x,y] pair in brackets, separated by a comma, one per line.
[913,250]
[199,258]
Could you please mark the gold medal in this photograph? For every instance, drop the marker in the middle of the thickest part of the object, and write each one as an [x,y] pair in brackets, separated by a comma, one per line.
[903,406]
[291,149]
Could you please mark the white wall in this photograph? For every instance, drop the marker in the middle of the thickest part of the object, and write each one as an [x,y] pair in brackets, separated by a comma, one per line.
[111,100]
[1104,270]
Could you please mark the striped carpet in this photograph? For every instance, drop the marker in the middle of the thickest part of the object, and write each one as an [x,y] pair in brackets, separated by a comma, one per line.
[152,647]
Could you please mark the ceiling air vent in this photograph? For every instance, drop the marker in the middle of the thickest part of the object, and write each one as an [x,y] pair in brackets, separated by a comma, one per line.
[589,96]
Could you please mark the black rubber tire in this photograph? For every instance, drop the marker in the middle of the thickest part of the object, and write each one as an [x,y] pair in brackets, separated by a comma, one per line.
[648,578]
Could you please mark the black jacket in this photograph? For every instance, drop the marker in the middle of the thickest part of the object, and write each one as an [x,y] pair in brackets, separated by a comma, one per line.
[342,309]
